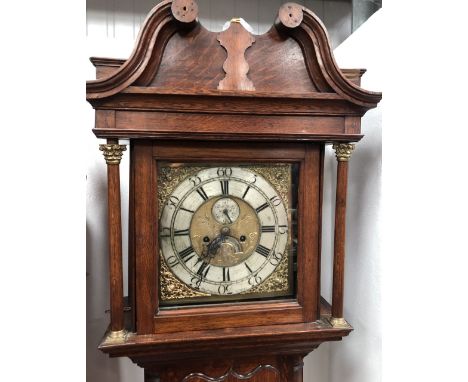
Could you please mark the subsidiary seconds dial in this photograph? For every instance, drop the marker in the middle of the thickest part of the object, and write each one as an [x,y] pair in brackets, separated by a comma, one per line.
[226,211]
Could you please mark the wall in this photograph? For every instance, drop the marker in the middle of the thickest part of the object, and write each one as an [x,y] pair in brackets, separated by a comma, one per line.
[111,29]
[121,19]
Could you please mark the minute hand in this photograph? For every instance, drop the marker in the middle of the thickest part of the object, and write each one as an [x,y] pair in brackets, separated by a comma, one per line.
[225,212]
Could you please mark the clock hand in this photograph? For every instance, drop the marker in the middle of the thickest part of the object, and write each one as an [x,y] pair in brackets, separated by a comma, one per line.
[216,243]
[225,212]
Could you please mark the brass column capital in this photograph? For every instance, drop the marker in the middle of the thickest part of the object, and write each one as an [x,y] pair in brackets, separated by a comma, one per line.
[112,152]
[343,151]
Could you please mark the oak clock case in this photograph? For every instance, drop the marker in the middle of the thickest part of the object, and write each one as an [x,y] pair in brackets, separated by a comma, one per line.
[220,239]
[225,194]
[227,232]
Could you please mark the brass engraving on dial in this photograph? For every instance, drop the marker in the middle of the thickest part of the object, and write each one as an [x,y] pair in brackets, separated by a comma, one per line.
[204,230]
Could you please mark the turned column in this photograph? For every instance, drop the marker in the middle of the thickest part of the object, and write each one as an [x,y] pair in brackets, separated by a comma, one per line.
[113,154]
[343,153]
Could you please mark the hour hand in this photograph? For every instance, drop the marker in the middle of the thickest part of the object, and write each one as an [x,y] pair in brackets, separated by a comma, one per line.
[214,246]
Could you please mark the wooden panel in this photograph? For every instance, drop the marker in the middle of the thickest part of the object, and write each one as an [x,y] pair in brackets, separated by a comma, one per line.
[285,56]
[131,243]
[105,119]
[182,51]
[254,126]
[106,66]
[229,102]
[230,151]
[310,231]
[325,308]
[214,343]
[352,125]
[105,71]
[252,369]
[222,317]
[145,247]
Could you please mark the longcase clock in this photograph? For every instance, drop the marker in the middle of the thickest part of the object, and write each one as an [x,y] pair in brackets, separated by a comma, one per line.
[227,135]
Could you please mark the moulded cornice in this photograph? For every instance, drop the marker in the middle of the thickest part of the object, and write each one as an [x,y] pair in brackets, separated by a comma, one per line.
[304,26]
[159,26]
[293,20]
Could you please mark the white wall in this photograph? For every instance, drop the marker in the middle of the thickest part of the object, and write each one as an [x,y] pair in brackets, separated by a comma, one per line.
[121,19]
[111,29]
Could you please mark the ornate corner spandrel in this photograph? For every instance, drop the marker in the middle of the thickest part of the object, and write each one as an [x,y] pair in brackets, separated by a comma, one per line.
[236,40]
[343,151]
[171,288]
[112,152]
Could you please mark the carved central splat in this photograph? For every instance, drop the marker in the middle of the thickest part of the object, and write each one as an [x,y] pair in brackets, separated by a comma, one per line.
[236,40]
[231,372]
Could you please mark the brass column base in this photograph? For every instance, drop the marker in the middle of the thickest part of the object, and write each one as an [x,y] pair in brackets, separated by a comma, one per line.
[339,323]
[115,337]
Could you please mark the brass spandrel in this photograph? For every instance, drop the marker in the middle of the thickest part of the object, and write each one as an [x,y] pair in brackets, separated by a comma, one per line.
[169,177]
[170,286]
[278,281]
[279,175]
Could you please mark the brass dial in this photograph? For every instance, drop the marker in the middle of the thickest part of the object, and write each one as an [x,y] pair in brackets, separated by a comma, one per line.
[224,244]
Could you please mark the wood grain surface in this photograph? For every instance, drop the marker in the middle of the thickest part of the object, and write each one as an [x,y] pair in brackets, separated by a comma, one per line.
[306,309]
[115,245]
[340,239]
[236,40]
